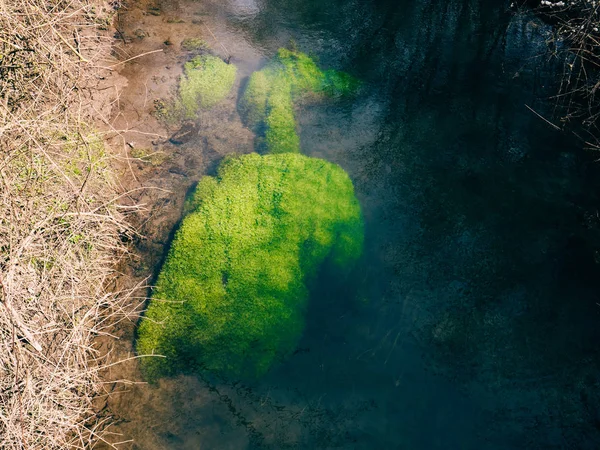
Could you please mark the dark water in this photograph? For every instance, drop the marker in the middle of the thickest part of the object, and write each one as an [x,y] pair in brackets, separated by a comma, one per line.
[472,320]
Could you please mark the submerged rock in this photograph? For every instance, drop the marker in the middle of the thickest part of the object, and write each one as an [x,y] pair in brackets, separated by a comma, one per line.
[194,44]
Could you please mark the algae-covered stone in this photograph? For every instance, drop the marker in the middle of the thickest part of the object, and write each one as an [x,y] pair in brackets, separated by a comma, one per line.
[232,294]
[268,102]
[206,81]
[339,84]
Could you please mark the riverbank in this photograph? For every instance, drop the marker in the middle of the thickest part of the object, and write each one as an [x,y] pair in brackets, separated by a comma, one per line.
[62,224]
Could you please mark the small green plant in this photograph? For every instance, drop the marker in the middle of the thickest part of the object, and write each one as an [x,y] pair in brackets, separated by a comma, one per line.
[154,158]
[206,81]
[267,104]
[232,294]
[86,153]
[194,44]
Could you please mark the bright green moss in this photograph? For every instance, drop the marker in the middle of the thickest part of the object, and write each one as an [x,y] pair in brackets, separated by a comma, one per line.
[301,71]
[232,294]
[206,81]
[267,104]
[339,84]
[280,134]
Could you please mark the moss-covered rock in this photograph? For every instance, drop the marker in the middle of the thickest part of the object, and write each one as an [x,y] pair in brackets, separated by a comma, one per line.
[267,104]
[232,294]
[206,81]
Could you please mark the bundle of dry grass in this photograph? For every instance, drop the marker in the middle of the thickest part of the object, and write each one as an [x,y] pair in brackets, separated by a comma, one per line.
[60,224]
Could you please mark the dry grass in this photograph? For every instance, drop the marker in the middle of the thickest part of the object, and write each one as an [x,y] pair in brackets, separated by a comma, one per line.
[61,226]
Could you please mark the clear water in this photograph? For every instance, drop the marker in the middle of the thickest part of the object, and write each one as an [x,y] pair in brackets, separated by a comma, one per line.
[471,321]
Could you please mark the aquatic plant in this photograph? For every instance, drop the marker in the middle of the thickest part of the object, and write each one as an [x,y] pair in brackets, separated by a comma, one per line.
[194,44]
[232,294]
[339,84]
[280,134]
[267,104]
[206,81]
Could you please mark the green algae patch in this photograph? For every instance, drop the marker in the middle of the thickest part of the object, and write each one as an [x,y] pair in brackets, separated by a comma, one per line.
[280,134]
[206,81]
[267,105]
[154,158]
[194,45]
[339,84]
[232,294]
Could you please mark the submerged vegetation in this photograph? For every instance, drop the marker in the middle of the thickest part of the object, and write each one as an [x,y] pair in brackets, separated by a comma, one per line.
[268,102]
[232,294]
[280,134]
[207,80]
[194,44]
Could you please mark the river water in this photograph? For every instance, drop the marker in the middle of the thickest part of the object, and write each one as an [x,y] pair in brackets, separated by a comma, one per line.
[472,320]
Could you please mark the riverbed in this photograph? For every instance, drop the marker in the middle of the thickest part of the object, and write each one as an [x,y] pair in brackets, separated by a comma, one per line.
[471,320]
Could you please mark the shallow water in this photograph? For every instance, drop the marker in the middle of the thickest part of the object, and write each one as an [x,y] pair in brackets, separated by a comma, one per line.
[471,321]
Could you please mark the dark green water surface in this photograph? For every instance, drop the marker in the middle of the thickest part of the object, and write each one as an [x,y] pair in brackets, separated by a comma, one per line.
[472,320]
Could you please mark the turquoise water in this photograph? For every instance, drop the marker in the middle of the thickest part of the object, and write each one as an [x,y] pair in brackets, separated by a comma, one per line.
[472,321]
